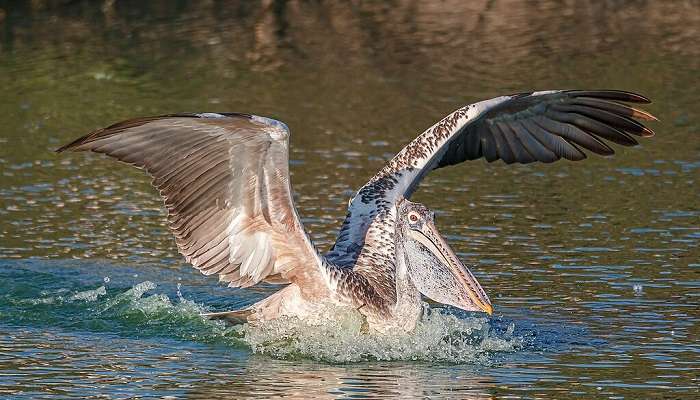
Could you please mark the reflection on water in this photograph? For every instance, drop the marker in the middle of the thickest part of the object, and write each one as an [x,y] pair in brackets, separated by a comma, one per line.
[593,267]
[127,335]
[127,368]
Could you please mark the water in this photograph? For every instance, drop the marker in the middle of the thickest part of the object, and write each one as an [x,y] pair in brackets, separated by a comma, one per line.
[593,267]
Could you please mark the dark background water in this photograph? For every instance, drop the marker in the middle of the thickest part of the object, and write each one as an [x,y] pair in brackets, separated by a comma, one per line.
[593,266]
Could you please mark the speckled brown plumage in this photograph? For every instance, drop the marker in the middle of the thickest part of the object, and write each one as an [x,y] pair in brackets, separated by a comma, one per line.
[225,182]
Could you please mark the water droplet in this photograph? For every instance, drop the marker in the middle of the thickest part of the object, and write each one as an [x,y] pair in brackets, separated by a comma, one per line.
[179,293]
[510,330]
[638,289]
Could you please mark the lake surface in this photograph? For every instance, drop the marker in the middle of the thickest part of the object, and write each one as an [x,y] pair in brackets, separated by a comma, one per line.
[593,267]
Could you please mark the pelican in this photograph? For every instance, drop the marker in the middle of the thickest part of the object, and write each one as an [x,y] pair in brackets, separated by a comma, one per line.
[224,178]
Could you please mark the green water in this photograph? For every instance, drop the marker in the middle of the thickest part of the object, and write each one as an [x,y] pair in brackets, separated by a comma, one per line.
[593,267]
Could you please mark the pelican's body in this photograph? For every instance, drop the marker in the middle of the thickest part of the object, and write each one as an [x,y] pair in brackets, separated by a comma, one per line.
[225,182]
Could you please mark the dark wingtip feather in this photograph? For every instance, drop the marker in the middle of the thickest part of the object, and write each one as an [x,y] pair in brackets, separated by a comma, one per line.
[62,148]
[134,122]
[73,146]
[620,95]
[641,114]
[581,155]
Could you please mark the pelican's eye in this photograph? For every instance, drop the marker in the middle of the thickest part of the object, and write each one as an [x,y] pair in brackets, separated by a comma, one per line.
[413,217]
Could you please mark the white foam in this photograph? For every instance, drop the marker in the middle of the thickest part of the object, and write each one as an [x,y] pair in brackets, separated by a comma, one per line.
[439,336]
[86,296]
[338,335]
[89,295]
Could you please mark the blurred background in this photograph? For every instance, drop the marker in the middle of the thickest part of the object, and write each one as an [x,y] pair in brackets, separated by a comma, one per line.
[595,264]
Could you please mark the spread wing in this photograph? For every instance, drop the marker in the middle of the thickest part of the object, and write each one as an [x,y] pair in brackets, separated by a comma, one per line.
[225,182]
[521,128]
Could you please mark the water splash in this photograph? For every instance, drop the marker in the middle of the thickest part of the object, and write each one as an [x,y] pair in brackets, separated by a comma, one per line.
[89,295]
[158,315]
[440,336]
[337,336]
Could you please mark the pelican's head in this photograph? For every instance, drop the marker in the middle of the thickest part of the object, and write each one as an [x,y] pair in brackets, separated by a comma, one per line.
[433,267]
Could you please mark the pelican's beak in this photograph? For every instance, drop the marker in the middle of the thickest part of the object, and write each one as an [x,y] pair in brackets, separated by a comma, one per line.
[450,282]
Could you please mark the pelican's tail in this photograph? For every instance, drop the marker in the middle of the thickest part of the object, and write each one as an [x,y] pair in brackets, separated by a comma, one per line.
[235,317]
[287,301]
